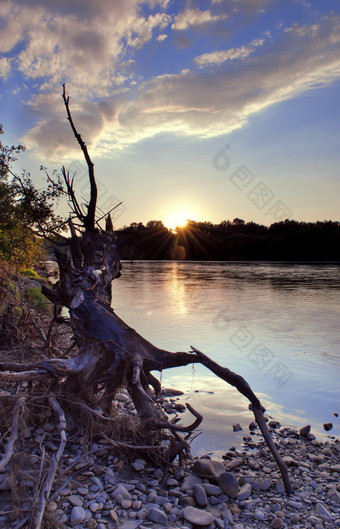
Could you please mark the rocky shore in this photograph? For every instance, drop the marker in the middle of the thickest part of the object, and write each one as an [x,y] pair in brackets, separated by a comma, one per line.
[242,490]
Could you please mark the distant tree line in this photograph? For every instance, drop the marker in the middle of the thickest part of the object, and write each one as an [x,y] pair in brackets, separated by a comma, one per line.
[237,240]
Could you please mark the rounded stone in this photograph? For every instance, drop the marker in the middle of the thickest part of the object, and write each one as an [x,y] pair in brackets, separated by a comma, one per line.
[190,481]
[274,424]
[328,426]
[265,484]
[197,516]
[228,483]
[121,493]
[157,516]
[77,516]
[75,501]
[259,515]
[314,520]
[139,465]
[184,501]
[212,490]
[276,523]
[200,495]
[208,468]
[244,492]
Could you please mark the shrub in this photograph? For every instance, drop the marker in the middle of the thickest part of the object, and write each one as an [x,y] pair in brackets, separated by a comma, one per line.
[37,300]
[29,272]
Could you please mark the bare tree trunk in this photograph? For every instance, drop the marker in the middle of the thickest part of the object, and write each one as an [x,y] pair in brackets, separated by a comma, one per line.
[112,355]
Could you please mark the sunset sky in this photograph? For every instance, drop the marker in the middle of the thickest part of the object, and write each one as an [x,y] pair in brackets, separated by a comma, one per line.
[216,109]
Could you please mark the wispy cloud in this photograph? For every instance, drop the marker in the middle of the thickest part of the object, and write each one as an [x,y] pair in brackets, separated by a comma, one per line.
[218,57]
[194,17]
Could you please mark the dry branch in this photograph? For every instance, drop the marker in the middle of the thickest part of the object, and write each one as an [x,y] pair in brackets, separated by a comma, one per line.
[37,517]
[11,441]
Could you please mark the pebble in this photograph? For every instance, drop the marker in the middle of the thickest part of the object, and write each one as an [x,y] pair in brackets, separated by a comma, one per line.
[208,468]
[113,515]
[295,504]
[305,430]
[139,465]
[204,492]
[190,481]
[234,463]
[228,484]
[328,426]
[75,501]
[200,495]
[314,520]
[244,493]
[212,490]
[121,493]
[276,523]
[197,517]
[265,484]
[323,512]
[77,516]
[259,515]
[157,516]
[237,427]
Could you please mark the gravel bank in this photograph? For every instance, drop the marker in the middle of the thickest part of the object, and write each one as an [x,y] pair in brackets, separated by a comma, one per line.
[242,490]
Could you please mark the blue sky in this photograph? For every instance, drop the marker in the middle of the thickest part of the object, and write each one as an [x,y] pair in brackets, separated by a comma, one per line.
[216,109]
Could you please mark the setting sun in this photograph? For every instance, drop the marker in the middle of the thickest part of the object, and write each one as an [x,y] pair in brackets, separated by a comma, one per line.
[177,218]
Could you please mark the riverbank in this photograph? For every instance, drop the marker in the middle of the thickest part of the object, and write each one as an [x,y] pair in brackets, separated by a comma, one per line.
[96,489]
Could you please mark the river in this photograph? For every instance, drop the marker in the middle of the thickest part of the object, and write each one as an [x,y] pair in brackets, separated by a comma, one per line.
[276,324]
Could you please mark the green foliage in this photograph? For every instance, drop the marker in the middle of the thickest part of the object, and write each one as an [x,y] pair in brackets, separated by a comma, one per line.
[26,213]
[29,272]
[37,300]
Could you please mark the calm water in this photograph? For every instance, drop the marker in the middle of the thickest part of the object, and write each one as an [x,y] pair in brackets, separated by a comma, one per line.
[277,325]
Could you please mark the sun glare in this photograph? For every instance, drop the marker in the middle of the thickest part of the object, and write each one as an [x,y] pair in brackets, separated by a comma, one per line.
[177,218]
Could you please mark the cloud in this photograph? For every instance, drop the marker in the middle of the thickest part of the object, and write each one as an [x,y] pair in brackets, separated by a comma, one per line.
[247,7]
[162,37]
[81,42]
[194,17]
[5,67]
[114,108]
[208,102]
[218,57]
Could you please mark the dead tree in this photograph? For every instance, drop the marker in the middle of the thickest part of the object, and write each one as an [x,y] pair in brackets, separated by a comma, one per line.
[110,354]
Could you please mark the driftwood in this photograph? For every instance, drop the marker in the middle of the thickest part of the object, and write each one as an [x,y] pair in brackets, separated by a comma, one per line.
[110,354]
